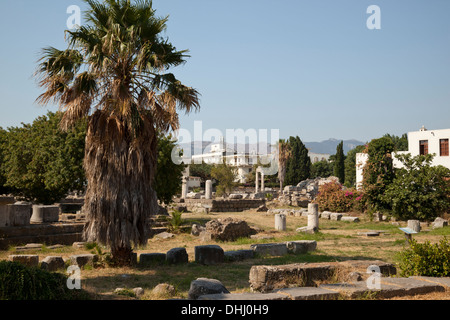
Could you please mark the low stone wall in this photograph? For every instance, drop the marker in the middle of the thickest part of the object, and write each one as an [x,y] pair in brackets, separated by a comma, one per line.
[267,278]
[41,233]
[222,205]
[5,219]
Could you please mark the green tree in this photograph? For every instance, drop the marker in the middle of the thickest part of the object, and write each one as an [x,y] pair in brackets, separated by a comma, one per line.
[350,166]
[322,169]
[339,163]
[225,176]
[201,170]
[3,144]
[298,165]
[400,143]
[419,190]
[378,173]
[284,152]
[115,73]
[42,163]
[168,174]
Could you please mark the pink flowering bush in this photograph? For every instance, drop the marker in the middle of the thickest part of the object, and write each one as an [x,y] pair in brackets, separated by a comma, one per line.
[332,197]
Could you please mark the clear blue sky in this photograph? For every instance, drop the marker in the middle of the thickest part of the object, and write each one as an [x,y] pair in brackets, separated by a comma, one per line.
[309,68]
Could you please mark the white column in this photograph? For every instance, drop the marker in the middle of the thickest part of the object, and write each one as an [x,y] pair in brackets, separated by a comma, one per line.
[262,181]
[208,189]
[280,222]
[183,188]
[313,216]
[256,181]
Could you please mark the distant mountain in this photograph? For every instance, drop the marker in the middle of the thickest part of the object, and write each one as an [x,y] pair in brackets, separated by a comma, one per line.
[329,146]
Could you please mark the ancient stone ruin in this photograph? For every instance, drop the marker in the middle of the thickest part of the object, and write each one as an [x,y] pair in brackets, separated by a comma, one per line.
[304,192]
[228,229]
[24,222]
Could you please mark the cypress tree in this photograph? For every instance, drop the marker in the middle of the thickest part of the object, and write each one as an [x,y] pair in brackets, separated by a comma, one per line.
[298,166]
[339,164]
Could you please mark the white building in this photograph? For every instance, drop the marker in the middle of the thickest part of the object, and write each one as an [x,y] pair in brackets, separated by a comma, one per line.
[243,161]
[420,142]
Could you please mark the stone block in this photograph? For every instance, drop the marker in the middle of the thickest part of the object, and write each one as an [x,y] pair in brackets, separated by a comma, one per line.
[177,256]
[335,216]
[297,213]
[239,255]
[209,254]
[325,215]
[138,292]
[28,260]
[306,230]
[45,213]
[350,219]
[164,290]
[165,235]
[19,214]
[247,296]
[204,286]
[4,216]
[349,290]
[271,249]
[409,286]
[228,229]
[79,245]
[443,281]
[439,223]
[197,229]
[83,259]
[268,278]
[4,213]
[386,269]
[53,263]
[151,258]
[301,246]
[309,293]
[414,225]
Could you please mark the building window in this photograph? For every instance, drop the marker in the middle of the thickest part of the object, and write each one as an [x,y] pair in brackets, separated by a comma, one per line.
[443,147]
[423,147]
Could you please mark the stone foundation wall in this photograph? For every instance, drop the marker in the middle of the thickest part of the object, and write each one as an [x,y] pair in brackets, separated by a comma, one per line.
[268,278]
[223,205]
[41,233]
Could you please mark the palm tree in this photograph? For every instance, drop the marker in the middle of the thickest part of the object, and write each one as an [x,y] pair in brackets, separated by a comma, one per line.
[284,152]
[115,73]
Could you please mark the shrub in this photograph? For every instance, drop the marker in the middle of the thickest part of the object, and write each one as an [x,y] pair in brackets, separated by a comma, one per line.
[175,221]
[426,259]
[226,176]
[333,197]
[419,190]
[19,282]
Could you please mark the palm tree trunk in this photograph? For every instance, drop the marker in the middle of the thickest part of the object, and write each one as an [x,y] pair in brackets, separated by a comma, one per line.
[119,198]
[122,256]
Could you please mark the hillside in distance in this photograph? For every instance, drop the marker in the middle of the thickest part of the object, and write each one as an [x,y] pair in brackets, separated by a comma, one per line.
[329,146]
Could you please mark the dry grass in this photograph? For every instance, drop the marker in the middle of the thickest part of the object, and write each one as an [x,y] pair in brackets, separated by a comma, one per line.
[337,241]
